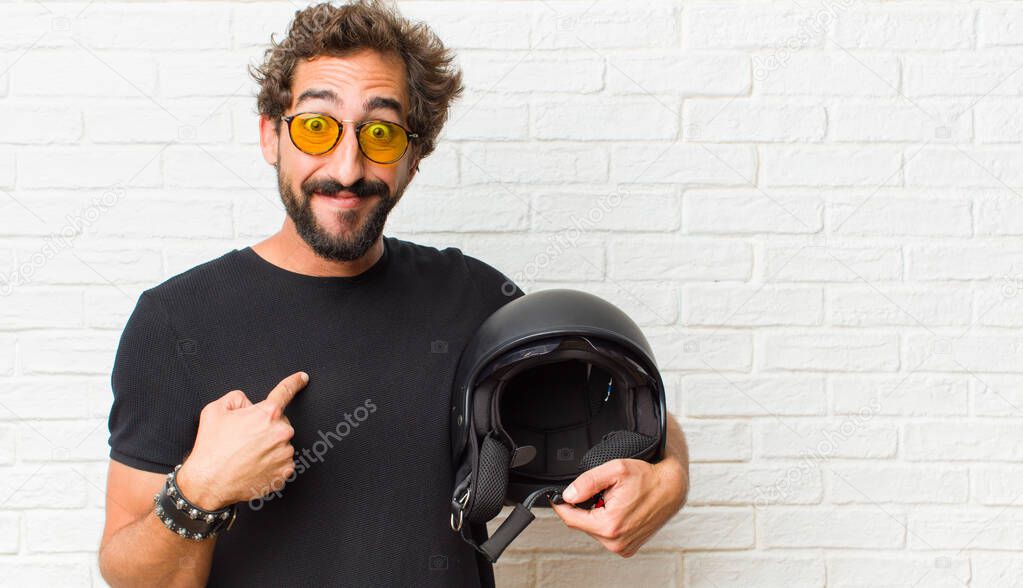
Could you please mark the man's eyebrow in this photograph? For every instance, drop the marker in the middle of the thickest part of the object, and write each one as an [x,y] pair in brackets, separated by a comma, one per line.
[374,103]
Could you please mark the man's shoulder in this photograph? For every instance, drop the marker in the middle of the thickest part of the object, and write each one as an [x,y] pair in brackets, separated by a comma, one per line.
[451,258]
[198,281]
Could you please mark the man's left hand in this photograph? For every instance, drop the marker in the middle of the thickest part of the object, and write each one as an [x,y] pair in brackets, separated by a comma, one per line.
[639,498]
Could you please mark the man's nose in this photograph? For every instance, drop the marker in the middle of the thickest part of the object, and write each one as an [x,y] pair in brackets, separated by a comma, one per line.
[346,163]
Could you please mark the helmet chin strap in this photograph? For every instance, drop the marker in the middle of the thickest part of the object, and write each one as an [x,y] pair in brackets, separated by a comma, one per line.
[614,445]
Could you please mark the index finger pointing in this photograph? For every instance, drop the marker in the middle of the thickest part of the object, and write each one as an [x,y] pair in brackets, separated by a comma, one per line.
[284,392]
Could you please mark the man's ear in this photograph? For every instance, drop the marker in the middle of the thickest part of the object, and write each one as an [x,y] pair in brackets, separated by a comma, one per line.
[413,167]
[269,138]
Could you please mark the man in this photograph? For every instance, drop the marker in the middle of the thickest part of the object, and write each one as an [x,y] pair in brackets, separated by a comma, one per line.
[305,379]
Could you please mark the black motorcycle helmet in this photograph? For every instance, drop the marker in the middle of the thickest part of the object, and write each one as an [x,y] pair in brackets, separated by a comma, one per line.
[552,384]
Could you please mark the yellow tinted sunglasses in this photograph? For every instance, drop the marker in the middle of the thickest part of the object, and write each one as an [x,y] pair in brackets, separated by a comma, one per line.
[380,141]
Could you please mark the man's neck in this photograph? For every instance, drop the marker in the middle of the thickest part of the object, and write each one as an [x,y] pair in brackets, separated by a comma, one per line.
[287,250]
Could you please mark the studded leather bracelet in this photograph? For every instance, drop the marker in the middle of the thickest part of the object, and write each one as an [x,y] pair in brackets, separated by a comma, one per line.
[185,518]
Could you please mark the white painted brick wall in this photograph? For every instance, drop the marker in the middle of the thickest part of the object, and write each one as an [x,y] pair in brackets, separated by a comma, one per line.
[814,210]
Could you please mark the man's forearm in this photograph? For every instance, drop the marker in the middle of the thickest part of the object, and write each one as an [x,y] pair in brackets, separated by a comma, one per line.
[676,452]
[146,553]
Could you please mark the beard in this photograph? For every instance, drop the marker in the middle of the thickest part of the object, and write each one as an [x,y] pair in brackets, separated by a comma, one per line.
[339,246]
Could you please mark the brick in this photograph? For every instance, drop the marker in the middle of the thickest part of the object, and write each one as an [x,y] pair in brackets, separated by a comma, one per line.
[898,570]
[195,166]
[961,74]
[752,306]
[9,533]
[892,305]
[962,261]
[53,263]
[612,211]
[993,571]
[517,72]
[40,123]
[213,73]
[908,29]
[252,23]
[999,24]
[481,118]
[718,441]
[97,167]
[7,168]
[752,120]
[495,163]
[182,120]
[995,528]
[680,259]
[479,209]
[680,73]
[55,531]
[751,211]
[95,73]
[155,27]
[831,262]
[7,444]
[182,213]
[962,441]
[998,213]
[750,26]
[29,307]
[1000,307]
[8,352]
[586,118]
[25,571]
[538,258]
[647,570]
[741,484]
[898,484]
[998,395]
[716,396]
[831,351]
[560,25]
[51,486]
[969,353]
[648,304]
[514,572]
[853,528]
[701,350]
[49,398]
[677,163]
[901,394]
[825,73]
[851,437]
[967,166]
[706,528]
[714,570]
[830,166]
[67,353]
[896,120]
[996,485]
[883,214]
[480,25]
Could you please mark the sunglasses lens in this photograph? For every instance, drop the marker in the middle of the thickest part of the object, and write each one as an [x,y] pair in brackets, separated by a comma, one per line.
[314,133]
[383,142]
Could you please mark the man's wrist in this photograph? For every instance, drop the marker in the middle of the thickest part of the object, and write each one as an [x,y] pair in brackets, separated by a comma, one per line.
[197,490]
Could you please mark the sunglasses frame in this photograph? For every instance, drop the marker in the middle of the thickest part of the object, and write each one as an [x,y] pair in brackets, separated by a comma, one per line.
[358,129]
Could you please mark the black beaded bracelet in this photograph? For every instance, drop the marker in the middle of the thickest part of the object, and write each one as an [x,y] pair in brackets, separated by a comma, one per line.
[185,518]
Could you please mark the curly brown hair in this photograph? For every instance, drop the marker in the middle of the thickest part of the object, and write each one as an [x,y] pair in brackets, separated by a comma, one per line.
[327,30]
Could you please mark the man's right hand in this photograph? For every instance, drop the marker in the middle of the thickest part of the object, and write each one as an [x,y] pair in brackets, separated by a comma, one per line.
[242,450]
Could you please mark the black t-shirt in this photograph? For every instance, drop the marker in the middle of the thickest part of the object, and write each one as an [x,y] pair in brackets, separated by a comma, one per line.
[369,505]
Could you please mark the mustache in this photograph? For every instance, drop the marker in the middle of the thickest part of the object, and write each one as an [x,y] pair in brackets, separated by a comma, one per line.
[361,189]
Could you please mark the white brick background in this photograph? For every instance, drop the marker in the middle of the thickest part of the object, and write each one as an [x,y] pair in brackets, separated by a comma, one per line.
[814,208]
